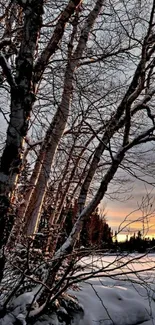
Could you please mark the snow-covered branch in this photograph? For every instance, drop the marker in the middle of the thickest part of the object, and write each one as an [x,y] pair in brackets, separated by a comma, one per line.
[7,71]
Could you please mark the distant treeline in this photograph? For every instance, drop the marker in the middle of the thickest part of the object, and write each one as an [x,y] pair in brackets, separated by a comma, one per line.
[95,234]
[136,243]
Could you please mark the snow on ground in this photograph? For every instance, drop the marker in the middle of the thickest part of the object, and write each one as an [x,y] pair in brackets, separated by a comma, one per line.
[113,304]
[111,298]
[122,299]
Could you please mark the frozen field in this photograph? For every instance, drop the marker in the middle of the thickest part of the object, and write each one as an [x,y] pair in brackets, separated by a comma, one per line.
[123,294]
[115,290]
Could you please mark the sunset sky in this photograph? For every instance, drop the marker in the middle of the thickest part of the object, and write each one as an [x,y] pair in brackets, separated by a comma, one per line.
[133,215]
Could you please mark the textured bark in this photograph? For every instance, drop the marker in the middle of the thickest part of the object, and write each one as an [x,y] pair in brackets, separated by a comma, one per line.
[22,99]
[23,90]
[31,195]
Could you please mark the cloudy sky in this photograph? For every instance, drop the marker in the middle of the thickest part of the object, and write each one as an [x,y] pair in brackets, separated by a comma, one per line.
[136,213]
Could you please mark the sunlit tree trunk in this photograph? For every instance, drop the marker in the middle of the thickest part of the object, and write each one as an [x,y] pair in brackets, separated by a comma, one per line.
[57,127]
[22,99]
[23,90]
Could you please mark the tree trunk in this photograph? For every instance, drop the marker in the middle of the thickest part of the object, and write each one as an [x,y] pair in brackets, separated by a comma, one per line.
[22,99]
[57,127]
[73,237]
[25,78]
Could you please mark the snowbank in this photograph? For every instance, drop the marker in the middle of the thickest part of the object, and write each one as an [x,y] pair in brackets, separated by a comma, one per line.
[114,304]
[108,300]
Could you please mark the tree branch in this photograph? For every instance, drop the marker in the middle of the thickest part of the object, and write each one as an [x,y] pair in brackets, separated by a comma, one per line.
[7,71]
[52,46]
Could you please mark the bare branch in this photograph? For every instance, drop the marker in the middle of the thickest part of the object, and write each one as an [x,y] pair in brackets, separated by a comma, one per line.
[7,71]
[52,46]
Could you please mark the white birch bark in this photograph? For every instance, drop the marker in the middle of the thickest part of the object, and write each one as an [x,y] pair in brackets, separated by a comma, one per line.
[57,127]
[23,91]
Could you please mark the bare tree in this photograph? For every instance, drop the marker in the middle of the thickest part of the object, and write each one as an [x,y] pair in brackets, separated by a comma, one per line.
[82,87]
[23,87]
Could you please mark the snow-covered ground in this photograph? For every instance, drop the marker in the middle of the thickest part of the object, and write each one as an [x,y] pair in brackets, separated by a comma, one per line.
[124,298]
[122,294]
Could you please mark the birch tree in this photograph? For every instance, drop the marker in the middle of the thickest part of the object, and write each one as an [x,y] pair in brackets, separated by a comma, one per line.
[86,53]
[23,85]
[35,197]
[80,82]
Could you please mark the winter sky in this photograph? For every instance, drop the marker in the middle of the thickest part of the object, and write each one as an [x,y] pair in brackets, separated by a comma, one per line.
[125,206]
[135,213]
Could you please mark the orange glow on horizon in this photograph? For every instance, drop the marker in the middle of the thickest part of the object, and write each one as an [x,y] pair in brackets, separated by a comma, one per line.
[123,237]
[126,223]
